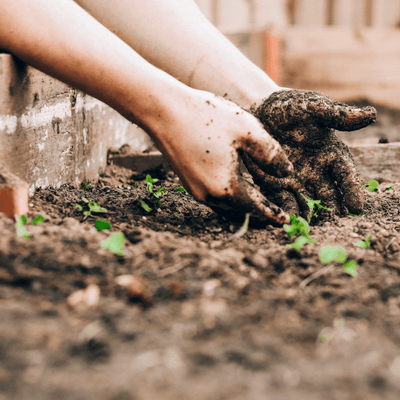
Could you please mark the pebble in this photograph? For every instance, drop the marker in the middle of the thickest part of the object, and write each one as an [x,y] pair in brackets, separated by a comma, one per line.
[89,296]
[134,286]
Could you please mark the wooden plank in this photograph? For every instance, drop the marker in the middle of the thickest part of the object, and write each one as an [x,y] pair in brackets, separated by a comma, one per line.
[386,13]
[343,14]
[373,162]
[311,13]
[343,63]
[233,15]
[379,161]
[270,14]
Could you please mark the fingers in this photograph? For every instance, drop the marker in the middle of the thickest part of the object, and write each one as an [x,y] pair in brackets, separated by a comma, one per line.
[287,109]
[326,191]
[351,118]
[345,173]
[266,152]
[245,199]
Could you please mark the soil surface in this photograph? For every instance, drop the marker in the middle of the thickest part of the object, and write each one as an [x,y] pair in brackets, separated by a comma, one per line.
[199,317]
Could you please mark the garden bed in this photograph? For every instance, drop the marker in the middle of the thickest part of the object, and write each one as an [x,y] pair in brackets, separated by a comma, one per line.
[205,316]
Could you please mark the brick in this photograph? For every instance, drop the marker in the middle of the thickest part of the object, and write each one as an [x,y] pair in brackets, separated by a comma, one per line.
[13,194]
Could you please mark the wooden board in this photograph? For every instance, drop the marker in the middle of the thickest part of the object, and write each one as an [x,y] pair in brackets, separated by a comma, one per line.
[373,162]
[343,63]
[380,161]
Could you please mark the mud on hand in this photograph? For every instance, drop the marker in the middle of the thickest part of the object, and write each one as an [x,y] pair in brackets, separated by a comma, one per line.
[304,123]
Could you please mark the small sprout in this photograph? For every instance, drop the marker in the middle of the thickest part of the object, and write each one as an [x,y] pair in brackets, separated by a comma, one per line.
[136,185]
[372,185]
[390,187]
[160,191]
[94,207]
[350,267]
[298,224]
[150,181]
[249,182]
[79,207]
[356,215]
[144,205]
[87,213]
[338,254]
[38,220]
[20,225]
[332,253]
[300,242]
[325,338]
[311,205]
[86,186]
[366,244]
[101,225]
[181,189]
[224,218]
[85,200]
[114,243]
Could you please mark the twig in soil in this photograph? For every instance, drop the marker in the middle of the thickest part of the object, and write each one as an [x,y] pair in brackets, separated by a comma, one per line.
[175,268]
[315,276]
[242,230]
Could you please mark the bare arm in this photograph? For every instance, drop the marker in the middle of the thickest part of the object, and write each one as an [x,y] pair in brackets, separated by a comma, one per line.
[199,134]
[176,37]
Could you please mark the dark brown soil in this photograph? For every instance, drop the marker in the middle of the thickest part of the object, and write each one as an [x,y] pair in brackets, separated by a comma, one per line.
[205,318]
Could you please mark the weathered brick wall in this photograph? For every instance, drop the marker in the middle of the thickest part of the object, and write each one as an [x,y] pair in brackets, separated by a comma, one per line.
[51,133]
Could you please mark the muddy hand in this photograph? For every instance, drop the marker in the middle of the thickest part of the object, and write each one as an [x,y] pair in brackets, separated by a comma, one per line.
[304,123]
[202,144]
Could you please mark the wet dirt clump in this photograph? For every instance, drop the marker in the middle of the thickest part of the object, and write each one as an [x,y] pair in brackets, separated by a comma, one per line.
[182,313]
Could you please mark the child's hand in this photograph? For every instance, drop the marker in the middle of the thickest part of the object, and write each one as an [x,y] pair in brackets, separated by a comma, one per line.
[304,123]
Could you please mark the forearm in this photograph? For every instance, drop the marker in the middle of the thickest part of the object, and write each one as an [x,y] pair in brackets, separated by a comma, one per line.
[175,36]
[61,39]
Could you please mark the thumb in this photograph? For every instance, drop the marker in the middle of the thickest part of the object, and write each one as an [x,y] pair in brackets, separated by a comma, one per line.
[350,118]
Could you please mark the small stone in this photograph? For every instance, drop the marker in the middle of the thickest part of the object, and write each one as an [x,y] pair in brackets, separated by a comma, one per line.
[89,297]
[134,286]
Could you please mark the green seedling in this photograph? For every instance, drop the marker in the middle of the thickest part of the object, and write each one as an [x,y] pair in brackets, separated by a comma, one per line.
[325,338]
[93,206]
[390,187]
[298,225]
[312,204]
[150,182]
[328,254]
[86,186]
[101,225]
[160,192]
[144,205]
[38,219]
[20,225]
[22,221]
[372,186]
[181,189]
[114,243]
[355,215]
[249,182]
[366,244]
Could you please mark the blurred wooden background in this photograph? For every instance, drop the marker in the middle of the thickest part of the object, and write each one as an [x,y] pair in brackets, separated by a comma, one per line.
[348,49]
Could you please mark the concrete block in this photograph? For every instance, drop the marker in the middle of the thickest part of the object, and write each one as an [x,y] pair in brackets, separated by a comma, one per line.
[51,133]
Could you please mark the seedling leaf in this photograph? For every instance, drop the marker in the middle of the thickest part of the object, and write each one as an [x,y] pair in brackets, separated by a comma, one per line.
[332,253]
[144,205]
[38,220]
[100,225]
[79,207]
[366,244]
[20,226]
[181,189]
[300,242]
[86,186]
[87,213]
[361,244]
[372,185]
[85,200]
[114,243]
[356,215]
[390,187]
[350,267]
[94,207]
